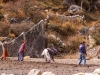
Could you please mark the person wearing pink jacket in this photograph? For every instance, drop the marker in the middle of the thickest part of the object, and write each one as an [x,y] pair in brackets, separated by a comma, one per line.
[21,51]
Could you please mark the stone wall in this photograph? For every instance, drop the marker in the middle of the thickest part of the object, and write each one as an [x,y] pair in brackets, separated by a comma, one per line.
[35,41]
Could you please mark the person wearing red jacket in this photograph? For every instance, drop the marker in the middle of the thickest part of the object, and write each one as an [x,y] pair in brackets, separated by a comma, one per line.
[21,51]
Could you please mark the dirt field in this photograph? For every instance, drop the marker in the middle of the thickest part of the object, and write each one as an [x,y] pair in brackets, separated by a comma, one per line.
[61,67]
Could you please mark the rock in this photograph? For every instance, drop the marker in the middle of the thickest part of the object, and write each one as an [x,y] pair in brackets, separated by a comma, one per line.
[35,42]
[97,71]
[10,74]
[51,36]
[6,74]
[74,8]
[26,57]
[95,74]
[86,74]
[48,73]
[35,72]
[3,74]
[84,31]
[89,74]
[79,74]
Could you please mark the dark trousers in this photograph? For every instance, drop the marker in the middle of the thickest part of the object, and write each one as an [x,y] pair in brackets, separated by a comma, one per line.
[20,56]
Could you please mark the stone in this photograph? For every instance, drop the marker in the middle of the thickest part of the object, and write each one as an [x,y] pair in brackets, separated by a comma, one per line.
[35,41]
[74,8]
[79,74]
[26,57]
[97,71]
[6,74]
[35,72]
[3,74]
[89,74]
[48,73]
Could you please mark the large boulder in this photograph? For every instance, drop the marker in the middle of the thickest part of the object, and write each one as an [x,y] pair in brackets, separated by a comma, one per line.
[97,71]
[35,41]
[35,72]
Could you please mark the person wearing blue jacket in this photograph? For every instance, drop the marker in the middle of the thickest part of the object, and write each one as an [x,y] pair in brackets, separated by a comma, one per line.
[82,54]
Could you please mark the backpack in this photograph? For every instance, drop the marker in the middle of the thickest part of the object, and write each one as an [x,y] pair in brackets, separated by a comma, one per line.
[55,50]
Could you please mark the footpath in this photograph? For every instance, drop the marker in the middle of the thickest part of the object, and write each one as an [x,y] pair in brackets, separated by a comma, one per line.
[63,61]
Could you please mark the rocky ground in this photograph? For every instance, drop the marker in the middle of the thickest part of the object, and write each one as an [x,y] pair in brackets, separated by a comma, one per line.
[61,67]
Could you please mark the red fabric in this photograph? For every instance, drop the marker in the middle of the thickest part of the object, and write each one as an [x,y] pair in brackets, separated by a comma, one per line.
[23,47]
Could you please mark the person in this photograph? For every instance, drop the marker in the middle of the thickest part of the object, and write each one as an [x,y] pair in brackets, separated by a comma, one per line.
[48,55]
[21,51]
[54,49]
[82,53]
[4,49]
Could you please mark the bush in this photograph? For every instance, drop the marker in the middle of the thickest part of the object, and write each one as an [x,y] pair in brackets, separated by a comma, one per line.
[96,33]
[4,29]
[23,9]
[73,44]
[67,30]
[97,39]
[19,28]
[70,45]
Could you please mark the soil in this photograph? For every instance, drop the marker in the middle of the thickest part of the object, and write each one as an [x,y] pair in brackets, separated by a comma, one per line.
[61,67]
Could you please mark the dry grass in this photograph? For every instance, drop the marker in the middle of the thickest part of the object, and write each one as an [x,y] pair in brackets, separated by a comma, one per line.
[18,28]
[4,28]
[72,43]
[67,31]
[19,8]
[95,33]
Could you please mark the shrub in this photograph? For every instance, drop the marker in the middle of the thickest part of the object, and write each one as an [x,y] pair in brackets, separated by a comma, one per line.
[67,30]
[23,8]
[96,33]
[97,38]
[18,28]
[73,43]
[4,29]
[1,16]
[69,45]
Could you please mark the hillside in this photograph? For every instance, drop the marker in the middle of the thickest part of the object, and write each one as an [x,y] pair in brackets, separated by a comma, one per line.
[69,22]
